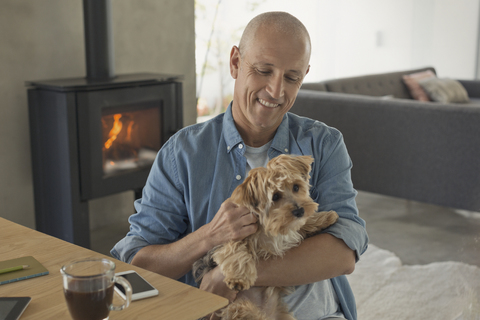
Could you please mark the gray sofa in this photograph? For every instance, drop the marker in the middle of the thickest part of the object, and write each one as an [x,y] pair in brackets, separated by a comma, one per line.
[424,151]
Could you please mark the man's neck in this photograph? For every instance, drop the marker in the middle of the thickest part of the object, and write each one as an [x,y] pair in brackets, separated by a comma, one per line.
[255,139]
[252,136]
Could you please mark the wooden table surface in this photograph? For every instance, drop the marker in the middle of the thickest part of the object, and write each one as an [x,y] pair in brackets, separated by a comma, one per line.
[175,300]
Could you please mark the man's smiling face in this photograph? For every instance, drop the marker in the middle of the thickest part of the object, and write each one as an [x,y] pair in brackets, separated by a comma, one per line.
[268,74]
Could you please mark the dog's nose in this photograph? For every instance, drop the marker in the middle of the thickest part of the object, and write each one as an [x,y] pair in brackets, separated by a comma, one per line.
[298,212]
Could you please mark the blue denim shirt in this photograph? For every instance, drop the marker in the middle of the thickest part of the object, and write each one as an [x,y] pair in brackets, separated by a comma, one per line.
[200,166]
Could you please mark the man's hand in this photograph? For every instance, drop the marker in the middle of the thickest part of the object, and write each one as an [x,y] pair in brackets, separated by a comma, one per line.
[231,222]
[213,282]
[174,260]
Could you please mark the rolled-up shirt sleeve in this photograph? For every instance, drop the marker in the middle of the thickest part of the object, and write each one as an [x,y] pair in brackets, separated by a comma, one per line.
[333,189]
[352,233]
[161,216]
[126,248]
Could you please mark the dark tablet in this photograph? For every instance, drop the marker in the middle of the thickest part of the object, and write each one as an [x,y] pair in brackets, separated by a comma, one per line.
[12,308]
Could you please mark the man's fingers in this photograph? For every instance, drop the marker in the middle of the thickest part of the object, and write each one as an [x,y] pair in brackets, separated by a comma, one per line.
[249,218]
[250,229]
[213,282]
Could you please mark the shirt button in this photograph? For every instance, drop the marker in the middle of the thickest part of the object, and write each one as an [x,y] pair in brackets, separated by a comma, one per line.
[238,177]
[240,146]
[286,150]
[228,148]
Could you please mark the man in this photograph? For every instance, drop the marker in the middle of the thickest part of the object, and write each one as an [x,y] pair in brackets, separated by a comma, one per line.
[185,210]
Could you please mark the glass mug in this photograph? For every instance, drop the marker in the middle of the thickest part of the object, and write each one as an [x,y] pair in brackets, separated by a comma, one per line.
[88,288]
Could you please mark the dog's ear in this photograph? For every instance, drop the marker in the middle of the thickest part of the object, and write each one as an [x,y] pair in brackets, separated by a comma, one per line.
[294,164]
[305,165]
[252,191]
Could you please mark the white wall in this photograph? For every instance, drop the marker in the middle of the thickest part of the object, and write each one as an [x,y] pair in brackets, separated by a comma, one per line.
[455,34]
[368,37]
[43,39]
[357,37]
[371,36]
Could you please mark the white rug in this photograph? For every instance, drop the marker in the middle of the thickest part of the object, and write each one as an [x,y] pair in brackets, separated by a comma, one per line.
[387,290]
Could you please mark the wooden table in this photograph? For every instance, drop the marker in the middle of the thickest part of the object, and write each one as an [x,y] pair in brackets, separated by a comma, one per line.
[175,301]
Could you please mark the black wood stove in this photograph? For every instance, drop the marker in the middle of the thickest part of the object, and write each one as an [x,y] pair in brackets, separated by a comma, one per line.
[96,136]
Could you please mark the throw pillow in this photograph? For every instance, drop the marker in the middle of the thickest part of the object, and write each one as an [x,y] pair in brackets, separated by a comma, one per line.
[412,83]
[445,90]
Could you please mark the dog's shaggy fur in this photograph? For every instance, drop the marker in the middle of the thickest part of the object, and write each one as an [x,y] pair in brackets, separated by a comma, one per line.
[279,196]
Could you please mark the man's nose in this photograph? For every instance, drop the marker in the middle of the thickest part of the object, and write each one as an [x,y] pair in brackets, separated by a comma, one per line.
[275,86]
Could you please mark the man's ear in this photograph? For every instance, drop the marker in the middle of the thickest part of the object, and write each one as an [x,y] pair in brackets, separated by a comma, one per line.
[234,62]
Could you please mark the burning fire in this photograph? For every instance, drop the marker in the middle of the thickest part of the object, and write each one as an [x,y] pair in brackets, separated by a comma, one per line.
[129,131]
[128,142]
[117,127]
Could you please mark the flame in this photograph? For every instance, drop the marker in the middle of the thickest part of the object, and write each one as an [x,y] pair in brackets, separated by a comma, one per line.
[129,131]
[117,127]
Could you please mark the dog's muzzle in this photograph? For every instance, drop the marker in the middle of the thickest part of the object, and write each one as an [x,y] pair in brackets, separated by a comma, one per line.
[298,212]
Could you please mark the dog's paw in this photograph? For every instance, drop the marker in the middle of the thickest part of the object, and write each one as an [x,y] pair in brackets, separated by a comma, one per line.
[331,218]
[238,284]
[317,222]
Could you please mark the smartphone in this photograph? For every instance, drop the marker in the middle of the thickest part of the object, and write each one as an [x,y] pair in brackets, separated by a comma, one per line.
[11,308]
[140,287]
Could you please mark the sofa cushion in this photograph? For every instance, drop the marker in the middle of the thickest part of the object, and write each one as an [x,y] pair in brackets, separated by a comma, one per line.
[412,82]
[472,87]
[474,101]
[444,90]
[317,86]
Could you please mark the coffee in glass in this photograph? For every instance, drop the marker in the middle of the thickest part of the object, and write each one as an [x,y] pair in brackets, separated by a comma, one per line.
[88,288]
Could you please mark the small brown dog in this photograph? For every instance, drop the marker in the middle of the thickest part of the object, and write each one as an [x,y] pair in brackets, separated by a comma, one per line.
[279,196]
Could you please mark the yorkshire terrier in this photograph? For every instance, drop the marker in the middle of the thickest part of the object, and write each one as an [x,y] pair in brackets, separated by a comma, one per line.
[279,196]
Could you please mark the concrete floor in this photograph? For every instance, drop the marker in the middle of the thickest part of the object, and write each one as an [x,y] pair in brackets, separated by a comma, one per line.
[417,233]
[420,233]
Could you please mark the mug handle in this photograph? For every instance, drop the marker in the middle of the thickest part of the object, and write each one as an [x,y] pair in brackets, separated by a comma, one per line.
[128,293]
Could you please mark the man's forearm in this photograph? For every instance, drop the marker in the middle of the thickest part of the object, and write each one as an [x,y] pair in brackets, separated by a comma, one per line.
[176,259]
[318,258]
[173,260]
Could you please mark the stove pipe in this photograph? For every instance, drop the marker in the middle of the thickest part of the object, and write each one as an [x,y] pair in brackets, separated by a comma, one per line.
[98,39]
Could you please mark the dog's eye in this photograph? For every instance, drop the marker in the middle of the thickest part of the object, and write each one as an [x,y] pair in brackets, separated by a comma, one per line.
[296,188]
[276,197]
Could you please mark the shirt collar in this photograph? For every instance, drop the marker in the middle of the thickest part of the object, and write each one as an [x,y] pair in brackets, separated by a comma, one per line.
[230,132]
[281,140]
[233,138]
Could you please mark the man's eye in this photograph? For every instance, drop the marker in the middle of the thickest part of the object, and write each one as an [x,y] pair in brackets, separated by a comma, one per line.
[290,79]
[264,72]
[276,197]
[296,188]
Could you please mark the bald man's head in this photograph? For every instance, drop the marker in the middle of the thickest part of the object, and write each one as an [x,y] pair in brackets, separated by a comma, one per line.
[278,22]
